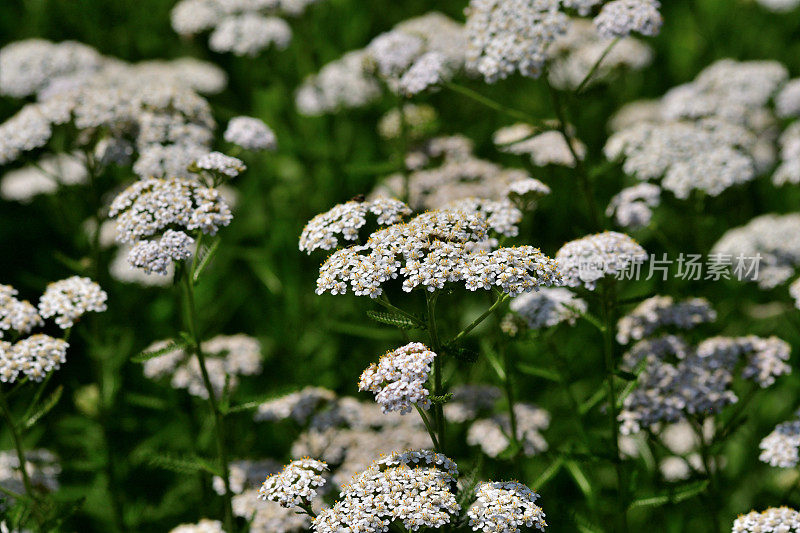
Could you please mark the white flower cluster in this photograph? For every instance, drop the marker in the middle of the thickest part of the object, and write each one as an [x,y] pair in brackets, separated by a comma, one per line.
[250,133]
[505,36]
[205,525]
[414,55]
[227,357]
[34,356]
[794,292]
[620,18]
[436,248]
[505,506]
[398,379]
[787,101]
[216,162]
[700,382]
[779,6]
[548,307]
[586,260]
[660,312]
[781,448]
[546,148]
[413,487]
[71,298]
[29,66]
[42,468]
[710,156]
[575,53]
[469,401]
[632,207]
[775,237]
[244,28]
[773,520]
[346,219]
[788,172]
[492,434]
[17,315]
[299,406]
[296,484]
[153,106]
[45,177]
[149,207]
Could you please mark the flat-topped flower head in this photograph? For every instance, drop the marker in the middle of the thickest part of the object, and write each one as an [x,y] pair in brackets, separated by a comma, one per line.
[773,520]
[413,487]
[398,379]
[250,133]
[586,260]
[249,33]
[220,164]
[660,312]
[781,448]
[619,18]
[346,219]
[205,525]
[296,484]
[299,406]
[34,356]
[17,315]
[505,507]
[493,434]
[71,298]
[150,206]
[158,256]
[506,36]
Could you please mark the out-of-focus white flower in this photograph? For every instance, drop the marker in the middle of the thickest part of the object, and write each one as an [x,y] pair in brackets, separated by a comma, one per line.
[660,312]
[585,261]
[632,207]
[250,133]
[249,34]
[780,448]
[547,307]
[779,6]
[217,162]
[619,18]
[203,526]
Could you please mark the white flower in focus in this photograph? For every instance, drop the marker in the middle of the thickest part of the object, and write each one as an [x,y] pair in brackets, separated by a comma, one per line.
[296,485]
[505,506]
[38,355]
[250,133]
[159,256]
[774,519]
[398,379]
[619,18]
[17,315]
[492,434]
[71,298]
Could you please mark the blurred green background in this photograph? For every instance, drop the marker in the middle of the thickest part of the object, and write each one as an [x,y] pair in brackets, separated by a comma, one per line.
[263,286]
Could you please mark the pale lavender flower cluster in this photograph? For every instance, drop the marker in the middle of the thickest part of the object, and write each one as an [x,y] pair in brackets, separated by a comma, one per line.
[296,484]
[152,206]
[415,488]
[661,312]
[587,260]
[505,506]
[398,379]
[781,448]
[548,307]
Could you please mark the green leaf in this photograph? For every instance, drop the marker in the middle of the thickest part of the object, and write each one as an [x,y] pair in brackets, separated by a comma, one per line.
[674,496]
[441,399]
[210,251]
[171,347]
[627,376]
[548,474]
[45,408]
[462,354]
[149,402]
[184,465]
[637,371]
[539,372]
[496,366]
[589,404]
[580,479]
[585,525]
[392,319]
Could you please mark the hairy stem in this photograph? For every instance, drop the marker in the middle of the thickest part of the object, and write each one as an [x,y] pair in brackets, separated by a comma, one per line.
[219,422]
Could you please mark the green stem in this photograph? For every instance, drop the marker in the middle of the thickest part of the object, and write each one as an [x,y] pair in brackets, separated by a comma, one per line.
[475,323]
[710,467]
[437,366]
[18,447]
[509,390]
[497,106]
[583,175]
[429,427]
[575,405]
[588,78]
[219,427]
[608,297]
